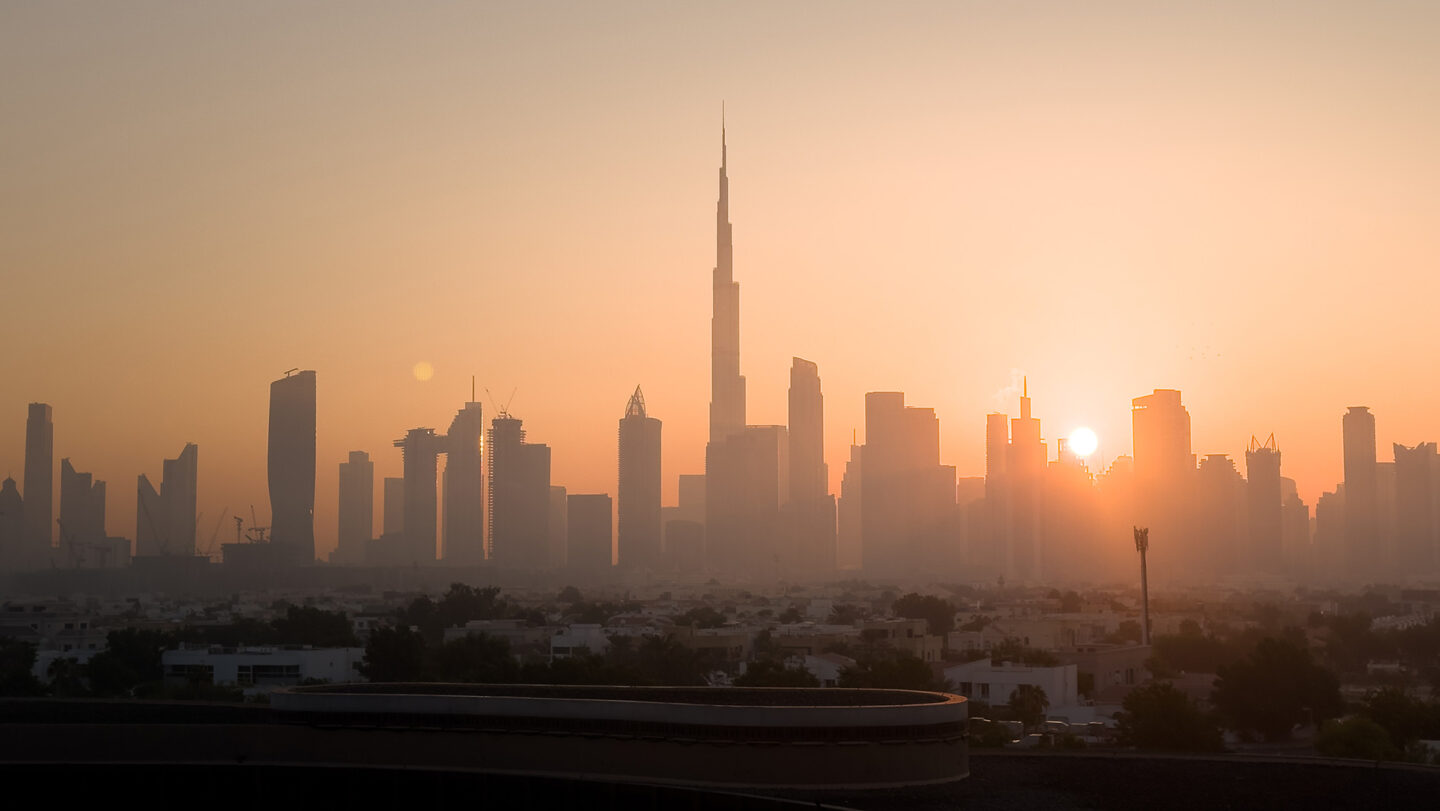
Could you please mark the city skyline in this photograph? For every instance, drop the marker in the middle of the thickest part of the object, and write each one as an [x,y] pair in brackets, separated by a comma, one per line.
[1283,334]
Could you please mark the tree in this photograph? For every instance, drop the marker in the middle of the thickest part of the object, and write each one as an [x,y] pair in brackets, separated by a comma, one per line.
[1356,737]
[1157,716]
[130,663]
[1070,602]
[1127,631]
[67,678]
[769,673]
[702,617]
[844,614]
[314,626]
[1029,703]
[791,615]
[939,615]
[17,664]
[476,658]
[1275,688]
[570,594]
[898,672]
[394,654]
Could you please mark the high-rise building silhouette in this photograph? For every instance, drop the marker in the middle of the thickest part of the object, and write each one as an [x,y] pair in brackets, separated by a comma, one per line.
[519,496]
[559,527]
[464,542]
[907,513]
[357,509]
[393,515]
[994,555]
[849,535]
[811,509]
[1295,531]
[1362,524]
[421,448]
[1417,510]
[1024,469]
[39,486]
[1164,484]
[82,517]
[727,386]
[165,519]
[291,465]
[588,534]
[1264,508]
[685,525]
[12,527]
[639,487]
[746,479]
[1220,515]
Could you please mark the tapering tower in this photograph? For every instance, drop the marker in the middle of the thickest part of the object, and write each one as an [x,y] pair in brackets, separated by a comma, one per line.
[727,387]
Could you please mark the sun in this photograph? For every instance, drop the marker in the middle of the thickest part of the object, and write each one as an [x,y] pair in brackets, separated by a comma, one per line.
[423,371]
[1083,442]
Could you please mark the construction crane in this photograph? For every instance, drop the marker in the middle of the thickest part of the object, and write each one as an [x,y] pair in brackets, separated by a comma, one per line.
[257,532]
[502,412]
[210,546]
[163,541]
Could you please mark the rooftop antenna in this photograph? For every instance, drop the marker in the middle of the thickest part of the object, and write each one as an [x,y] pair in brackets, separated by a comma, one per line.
[289,372]
[472,388]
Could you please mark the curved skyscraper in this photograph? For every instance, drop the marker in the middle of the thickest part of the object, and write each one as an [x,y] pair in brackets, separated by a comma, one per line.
[291,465]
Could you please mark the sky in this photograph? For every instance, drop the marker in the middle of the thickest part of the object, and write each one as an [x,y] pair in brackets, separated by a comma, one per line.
[1235,199]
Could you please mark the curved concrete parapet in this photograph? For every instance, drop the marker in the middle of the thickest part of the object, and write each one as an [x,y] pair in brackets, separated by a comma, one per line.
[790,737]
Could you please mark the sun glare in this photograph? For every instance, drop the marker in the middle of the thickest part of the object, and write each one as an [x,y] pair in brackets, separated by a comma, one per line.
[423,371]
[1083,442]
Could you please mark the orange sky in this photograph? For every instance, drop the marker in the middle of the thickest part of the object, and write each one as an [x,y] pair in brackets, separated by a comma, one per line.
[1238,200]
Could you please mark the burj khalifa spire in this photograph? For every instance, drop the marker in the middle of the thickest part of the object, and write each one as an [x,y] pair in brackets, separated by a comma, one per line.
[727,386]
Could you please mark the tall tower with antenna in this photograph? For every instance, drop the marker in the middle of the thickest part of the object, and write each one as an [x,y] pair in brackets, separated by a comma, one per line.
[727,386]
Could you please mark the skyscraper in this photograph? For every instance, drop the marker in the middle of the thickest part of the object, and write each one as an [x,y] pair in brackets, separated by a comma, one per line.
[849,532]
[82,517]
[165,519]
[12,527]
[995,554]
[39,486]
[639,486]
[291,465]
[1417,513]
[811,508]
[907,513]
[1164,484]
[588,534]
[1264,503]
[747,476]
[1221,517]
[357,509]
[393,517]
[727,386]
[1024,467]
[519,496]
[421,447]
[465,488]
[1361,492]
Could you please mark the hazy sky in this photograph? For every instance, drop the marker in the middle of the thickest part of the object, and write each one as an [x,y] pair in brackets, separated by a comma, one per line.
[1239,200]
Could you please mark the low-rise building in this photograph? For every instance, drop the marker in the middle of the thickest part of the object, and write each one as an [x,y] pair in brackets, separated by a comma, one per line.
[261,667]
[985,681]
